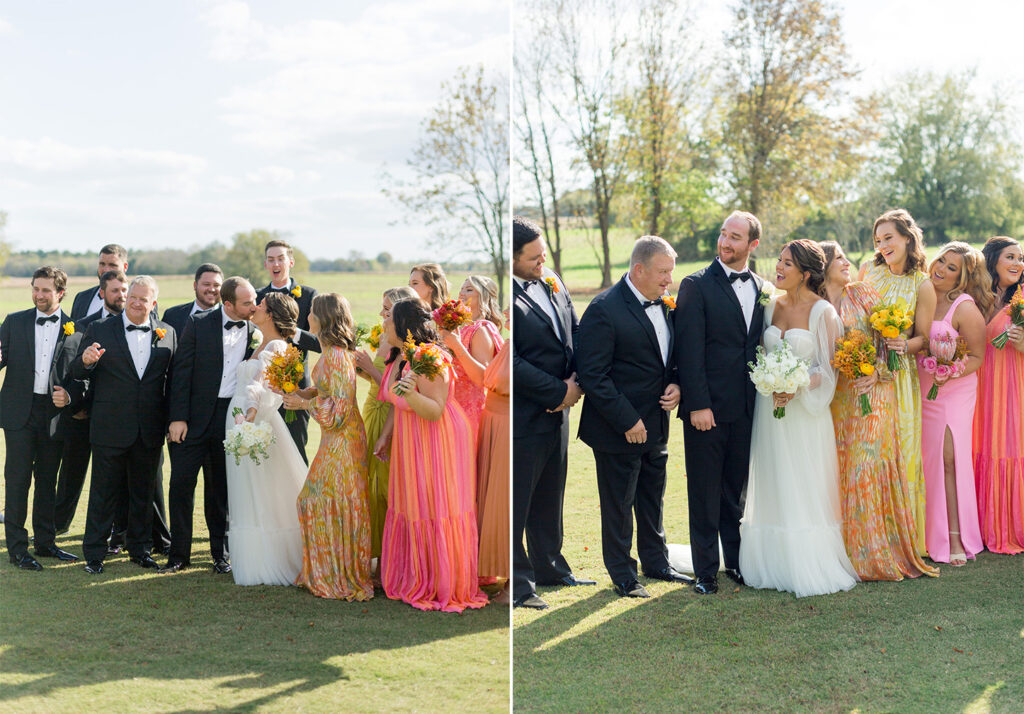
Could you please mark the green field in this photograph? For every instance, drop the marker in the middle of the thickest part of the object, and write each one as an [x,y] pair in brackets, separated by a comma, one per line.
[130,640]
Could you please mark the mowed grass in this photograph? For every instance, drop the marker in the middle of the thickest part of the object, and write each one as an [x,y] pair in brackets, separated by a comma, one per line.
[131,640]
[955,643]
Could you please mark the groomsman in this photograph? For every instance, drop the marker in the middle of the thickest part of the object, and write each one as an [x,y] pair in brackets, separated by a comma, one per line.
[279,259]
[113,257]
[29,342]
[206,286]
[626,365]
[126,359]
[203,381]
[718,327]
[543,334]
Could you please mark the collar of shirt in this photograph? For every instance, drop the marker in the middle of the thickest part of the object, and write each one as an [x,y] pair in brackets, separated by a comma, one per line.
[636,293]
[125,321]
[224,320]
[729,271]
[287,288]
[43,314]
[196,307]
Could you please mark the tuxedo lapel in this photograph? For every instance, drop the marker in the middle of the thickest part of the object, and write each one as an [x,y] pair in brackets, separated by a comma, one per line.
[29,327]
[540,311]
[757,316]
[720,278]
[250,329]
[637,311]
[61,336]
[117,328]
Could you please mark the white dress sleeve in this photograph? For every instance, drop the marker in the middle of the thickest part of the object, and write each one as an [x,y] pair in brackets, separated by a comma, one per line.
[827,327]
[258,394]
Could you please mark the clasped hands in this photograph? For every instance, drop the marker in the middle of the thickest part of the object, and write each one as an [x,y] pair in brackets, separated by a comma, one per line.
[573,393]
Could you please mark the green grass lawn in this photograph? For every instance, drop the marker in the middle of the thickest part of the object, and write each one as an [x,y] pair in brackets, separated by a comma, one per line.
[131,640]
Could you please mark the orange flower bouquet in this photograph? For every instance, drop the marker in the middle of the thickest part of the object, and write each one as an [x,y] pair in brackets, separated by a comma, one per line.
[855,357]
[1016,312]
[424,358]
[890,321]
[284,372]
[452,315]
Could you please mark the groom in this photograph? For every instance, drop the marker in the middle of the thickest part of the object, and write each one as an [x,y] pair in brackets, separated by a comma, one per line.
[718,326]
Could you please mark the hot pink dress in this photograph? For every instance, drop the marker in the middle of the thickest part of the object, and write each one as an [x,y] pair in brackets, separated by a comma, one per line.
[470,396]
[953,408]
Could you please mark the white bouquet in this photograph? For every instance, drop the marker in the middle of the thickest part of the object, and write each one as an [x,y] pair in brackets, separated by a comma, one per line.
[779,372]
[248,439]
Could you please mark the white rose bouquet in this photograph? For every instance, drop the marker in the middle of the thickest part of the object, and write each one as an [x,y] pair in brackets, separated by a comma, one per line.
[248,439]
[779,372]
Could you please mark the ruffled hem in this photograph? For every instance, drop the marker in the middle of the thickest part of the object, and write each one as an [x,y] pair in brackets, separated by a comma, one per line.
[1000,487]
[265,557]
[804,561]
[335,550]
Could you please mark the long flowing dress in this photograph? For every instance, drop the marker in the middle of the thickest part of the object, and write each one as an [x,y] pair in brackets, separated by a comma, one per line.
[471,396]
[999,443]
[894,288]
[790,535]
[263,523]
[878,520]
[375,414]
[429,549]
[493,453]
[952,409]
[333,508]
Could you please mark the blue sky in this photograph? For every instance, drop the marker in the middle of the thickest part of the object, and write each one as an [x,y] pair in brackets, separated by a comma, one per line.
[158,124]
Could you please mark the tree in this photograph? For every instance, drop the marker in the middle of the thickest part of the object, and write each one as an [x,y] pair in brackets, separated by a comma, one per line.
[245,256]
[460,169]
[5,246]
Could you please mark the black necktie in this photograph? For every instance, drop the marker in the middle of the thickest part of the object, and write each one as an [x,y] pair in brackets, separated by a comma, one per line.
[143,328]
[648,303]
[43,320]
[744,276]
[228,325]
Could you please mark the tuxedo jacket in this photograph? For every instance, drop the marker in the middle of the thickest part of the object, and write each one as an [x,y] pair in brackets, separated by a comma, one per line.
[124,407]
[80,307]
[177,316]
[543,357]
[304,300]
[79,394]
[198,367]
[714,345]
[18,348]
[622,372]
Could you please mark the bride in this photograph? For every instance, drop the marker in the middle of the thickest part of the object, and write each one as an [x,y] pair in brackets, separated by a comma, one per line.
[790,535]
[263,521]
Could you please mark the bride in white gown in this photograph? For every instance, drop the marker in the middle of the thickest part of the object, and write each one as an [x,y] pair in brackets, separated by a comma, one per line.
[790,535]
[263,520]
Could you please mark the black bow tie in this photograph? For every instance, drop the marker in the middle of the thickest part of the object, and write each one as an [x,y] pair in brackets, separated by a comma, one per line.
[228,325]
[143,328]
[744,276]
[650,303]
[285,289]
[528,283]
[43,320]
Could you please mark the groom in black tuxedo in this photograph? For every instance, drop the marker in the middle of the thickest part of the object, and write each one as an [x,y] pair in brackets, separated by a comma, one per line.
[544,330]
[627,368]
[718,326]
[203,381]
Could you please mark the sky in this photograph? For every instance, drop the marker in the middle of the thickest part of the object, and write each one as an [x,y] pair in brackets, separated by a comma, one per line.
[174,124]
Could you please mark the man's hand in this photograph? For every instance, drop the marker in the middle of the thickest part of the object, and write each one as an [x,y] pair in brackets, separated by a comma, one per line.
[703,420]
[60,397]
[670,399]
[92,354]
[176,431]
[638,434]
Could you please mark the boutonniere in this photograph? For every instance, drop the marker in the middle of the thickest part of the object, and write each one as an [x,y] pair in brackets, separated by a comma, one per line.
[297,291]
[552,285]
[255,340]
[69,328]
[765,296]
[160,333]
[669,302]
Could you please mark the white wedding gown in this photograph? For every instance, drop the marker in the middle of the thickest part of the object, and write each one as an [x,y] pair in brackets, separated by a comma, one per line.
[790,535]
[263,519]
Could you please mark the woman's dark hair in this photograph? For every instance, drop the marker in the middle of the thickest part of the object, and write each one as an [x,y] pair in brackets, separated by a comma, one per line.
[809,258]
[337,328]
[411,316]
[831,249]
[992,249]
[284,311]
[907,227]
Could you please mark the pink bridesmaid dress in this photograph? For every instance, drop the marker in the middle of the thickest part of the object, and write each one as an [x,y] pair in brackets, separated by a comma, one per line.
[471,396]
[952,409]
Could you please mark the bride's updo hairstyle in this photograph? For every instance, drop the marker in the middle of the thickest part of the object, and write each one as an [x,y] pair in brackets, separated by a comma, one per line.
[283,311]
[337,329]
[810,260]
[412,316]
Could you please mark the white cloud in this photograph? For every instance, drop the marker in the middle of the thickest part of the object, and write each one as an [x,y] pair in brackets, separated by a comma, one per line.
[6,28]
[271,175]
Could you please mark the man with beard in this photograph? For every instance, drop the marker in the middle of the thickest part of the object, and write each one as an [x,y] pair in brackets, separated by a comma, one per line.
[113,257]
[206,286]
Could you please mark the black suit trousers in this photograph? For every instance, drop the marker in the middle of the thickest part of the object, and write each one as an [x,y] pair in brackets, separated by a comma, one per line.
[717,465]
[30,451]
[186,459]
[538,488]
[112,466]
[298,429]
[160,533]
[74,464]
[628,484]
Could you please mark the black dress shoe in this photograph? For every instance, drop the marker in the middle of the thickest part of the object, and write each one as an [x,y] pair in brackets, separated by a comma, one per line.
[174,566]
[631,589]
[569,580]
[706,586]
[734,575]
[26,562]
[145,561]
[531,601]
[55,552]
[669,574]
[221,566]
[160,549]
[94,567]
[114,549]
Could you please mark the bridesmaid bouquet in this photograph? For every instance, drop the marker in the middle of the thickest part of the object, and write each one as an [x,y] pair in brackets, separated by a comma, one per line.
[947,358]
[369,335]
[452,315]
[424,358]
[855,357]
[779,371]
[248,439]
[1016,312]
[890,321]
[284,372]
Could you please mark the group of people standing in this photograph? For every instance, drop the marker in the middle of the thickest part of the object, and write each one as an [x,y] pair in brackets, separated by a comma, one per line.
[400,495]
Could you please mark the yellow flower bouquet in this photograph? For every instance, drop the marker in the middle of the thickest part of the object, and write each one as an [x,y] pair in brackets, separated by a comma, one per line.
[855,357]
[424,358]
[284,372]
[890,321]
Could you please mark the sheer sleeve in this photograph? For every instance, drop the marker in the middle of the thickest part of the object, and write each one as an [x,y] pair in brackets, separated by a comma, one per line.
[335,400]
[258,394]
[826,328]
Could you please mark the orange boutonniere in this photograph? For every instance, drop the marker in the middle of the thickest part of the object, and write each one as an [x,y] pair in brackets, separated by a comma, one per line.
[297,291]
[552,285]
[669,302]
[160,333]
[69,329]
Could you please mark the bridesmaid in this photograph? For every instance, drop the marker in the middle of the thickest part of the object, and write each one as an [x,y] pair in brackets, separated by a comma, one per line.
[333,509]
[999,419]
[430,283]
[896,274]
[474,346]
[963,290]
[493,465]
[878,520]
[429,549]
[375,415]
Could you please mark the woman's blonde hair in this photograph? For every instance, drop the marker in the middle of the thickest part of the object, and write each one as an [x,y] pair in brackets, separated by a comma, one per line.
[487,292]
[337,329]
[974,276]
[434,277]
[403,292]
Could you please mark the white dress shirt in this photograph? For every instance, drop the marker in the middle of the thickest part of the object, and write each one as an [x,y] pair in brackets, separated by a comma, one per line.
[746,291]
[656,314]
[139,344]
[234,353]
[46,336]
[538,292]
[96,304]
[196,307]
